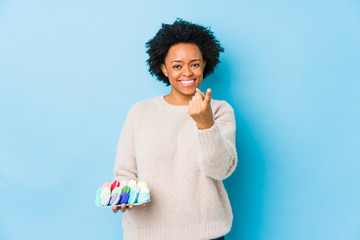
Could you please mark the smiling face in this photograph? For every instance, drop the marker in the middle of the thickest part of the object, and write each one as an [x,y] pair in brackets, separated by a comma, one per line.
[184,66]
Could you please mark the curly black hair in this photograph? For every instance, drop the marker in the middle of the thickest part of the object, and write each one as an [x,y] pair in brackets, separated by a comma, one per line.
[182,31]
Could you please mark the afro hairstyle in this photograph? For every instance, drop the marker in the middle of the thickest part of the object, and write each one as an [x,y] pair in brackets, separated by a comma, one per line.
[182,31]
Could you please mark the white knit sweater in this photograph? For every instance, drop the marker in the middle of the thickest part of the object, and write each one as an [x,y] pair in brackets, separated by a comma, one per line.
[184,168]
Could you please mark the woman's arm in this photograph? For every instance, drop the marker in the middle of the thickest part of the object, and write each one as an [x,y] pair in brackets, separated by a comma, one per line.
[216,135]
[125,163]
[217,150]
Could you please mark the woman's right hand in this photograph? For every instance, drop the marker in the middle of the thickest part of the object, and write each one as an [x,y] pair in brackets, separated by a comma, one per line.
[123,207]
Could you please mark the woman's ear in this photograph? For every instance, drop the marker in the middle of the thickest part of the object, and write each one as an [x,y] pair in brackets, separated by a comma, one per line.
[163,69]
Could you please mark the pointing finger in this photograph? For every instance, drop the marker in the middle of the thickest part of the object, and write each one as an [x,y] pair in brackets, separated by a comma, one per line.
[208,95]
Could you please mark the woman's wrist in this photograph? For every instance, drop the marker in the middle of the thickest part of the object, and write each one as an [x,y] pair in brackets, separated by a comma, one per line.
[205,125]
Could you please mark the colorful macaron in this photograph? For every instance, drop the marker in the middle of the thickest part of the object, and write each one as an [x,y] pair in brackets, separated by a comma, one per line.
[134,193]
[144,195]
[105,190]
[142,185]
[124,198]
[115,184]
[106,184]
[125,189]
[98,199]
[106,199]
[115,199]
[131,183]
[116,190]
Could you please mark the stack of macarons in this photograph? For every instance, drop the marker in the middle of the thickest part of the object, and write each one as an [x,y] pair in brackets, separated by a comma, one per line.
[123,192]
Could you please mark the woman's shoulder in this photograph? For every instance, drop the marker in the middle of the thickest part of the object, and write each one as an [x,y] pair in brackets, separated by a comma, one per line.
[144,105]
[221,105]
[146,102]
[222,109]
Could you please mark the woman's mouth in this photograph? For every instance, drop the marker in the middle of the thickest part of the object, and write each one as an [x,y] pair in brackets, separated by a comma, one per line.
[187,82]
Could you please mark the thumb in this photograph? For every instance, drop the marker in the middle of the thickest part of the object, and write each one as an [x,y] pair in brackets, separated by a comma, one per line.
[201,93]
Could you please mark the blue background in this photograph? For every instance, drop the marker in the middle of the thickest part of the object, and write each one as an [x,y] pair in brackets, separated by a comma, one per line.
[70,71]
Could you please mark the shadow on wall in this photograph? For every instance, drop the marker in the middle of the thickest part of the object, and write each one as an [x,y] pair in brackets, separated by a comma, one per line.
[245,186]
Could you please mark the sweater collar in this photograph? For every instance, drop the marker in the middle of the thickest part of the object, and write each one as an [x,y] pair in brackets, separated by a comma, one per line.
[164,104]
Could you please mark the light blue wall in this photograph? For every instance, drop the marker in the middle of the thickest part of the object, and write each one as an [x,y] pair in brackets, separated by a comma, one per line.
[70,70]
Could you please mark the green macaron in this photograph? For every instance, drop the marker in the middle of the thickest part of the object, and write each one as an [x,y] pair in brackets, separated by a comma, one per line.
[126,189]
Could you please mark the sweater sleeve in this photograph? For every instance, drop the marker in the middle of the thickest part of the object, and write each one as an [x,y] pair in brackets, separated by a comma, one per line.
[218,156]
[125,163]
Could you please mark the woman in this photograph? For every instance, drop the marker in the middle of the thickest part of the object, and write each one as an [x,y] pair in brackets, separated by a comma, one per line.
[181,144]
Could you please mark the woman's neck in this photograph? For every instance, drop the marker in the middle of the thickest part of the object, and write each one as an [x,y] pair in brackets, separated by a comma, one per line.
[176,99]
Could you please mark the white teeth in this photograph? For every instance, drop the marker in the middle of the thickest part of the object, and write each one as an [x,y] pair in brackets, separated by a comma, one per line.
[188,81]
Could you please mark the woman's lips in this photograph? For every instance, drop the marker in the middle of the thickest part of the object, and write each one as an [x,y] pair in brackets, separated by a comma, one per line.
[187,83]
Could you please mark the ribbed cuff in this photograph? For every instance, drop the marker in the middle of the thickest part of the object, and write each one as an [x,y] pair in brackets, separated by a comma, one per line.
[215,156]
[210,138]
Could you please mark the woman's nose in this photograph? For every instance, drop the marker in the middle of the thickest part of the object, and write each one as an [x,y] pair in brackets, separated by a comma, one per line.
[187,71]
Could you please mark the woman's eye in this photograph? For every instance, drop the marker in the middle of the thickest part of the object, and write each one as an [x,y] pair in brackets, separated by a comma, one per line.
[176,66]
[196,65]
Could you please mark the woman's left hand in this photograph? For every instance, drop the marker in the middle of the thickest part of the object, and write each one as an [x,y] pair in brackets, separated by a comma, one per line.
[200,109]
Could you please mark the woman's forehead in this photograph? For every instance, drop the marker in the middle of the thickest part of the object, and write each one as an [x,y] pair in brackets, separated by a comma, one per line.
[184,51]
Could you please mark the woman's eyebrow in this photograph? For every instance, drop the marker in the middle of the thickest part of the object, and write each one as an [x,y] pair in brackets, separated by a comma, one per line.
[177,61]
[193,60]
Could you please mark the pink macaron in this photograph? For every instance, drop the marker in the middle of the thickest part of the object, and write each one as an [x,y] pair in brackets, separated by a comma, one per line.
[106,184]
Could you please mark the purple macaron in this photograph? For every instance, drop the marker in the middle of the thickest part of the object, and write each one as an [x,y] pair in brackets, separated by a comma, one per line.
[115,199]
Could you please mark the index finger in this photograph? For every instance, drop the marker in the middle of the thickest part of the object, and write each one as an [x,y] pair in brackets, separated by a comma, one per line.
[208,95]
